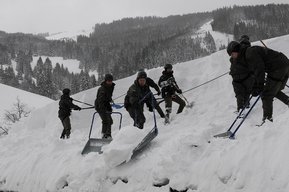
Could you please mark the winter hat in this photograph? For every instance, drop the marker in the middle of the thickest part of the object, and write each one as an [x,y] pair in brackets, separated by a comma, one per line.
[168,66]
[66,91]
[108,77]
[141,74]
[233,46]
[244,39]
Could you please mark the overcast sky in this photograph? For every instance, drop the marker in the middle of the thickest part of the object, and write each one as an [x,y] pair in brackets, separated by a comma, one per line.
[36,16]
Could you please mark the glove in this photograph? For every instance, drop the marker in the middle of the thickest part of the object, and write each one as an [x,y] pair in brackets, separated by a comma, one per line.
[116,106]
[78,108]
[179,91]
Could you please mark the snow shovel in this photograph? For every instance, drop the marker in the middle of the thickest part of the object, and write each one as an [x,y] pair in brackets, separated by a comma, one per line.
[96,144]
[150,136]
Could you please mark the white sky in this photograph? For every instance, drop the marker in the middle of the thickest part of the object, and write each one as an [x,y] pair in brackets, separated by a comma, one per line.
[35,16]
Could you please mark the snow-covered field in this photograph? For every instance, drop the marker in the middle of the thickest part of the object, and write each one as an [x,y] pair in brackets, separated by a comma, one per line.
[71,64]
[69,34]
[33,158]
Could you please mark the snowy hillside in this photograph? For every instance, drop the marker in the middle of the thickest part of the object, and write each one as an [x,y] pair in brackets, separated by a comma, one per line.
[220,39]
[9,97]
[33,158]
[69,35]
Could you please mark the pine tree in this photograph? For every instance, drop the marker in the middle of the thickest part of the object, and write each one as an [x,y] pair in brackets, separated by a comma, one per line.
[75,84]
[84,80]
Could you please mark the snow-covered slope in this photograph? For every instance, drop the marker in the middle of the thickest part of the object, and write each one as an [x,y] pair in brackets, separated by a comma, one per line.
[69,35]
[220,39]
[9,96]
[33,158]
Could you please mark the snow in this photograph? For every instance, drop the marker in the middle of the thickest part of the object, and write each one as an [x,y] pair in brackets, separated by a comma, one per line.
[71,64]
[9,96]
[69,35]
[221,39]
[33,158]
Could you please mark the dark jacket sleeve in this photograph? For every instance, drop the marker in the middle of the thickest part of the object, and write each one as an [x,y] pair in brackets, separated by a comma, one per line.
[71,105]
[133,96]
[152,84]
[257,65]
[102,103]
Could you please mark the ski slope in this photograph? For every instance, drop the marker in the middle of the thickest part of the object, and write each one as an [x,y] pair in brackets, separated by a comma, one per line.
[220,39]
[33,158]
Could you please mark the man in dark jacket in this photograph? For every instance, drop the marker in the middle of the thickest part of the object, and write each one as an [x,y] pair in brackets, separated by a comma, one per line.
[148,102]
[243,78]
[103,105]
[169,88]
[136,96]
[263,60]
[65,106]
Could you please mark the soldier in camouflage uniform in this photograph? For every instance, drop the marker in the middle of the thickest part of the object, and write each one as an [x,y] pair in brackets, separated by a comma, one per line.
[65,106]
[169,88]
[243,78]
[102,105]
[261,60]
[135,98]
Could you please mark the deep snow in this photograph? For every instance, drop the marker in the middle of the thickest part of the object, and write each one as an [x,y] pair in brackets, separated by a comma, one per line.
[33,158]
[9,97]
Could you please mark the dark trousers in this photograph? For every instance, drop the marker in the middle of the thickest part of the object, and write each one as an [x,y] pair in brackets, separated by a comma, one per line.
[137,115]
[174,98]
[273,89]
[242,91]
[106,123]
[66,127]
[157,107]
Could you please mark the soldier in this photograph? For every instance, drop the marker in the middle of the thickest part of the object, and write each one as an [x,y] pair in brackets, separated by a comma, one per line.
[169,88]
[65,106]
[261,60]
[152,84]
[134,101]
[243,78]
[103,106]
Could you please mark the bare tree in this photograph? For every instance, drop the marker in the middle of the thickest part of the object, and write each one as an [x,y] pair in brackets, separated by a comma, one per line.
[18,111]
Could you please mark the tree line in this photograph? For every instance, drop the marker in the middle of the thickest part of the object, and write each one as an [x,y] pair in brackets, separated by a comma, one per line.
[127,45]
[44,79]
[259,22]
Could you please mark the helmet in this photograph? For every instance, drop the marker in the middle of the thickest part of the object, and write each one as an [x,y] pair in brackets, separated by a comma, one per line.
[233,46]
[66,91]
[141,74]
[108,77]
[168,66]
